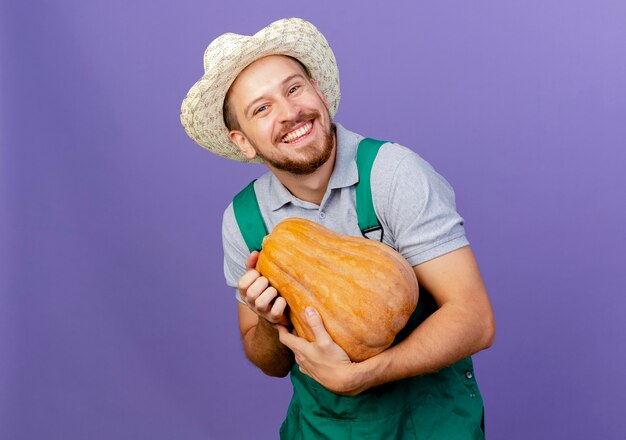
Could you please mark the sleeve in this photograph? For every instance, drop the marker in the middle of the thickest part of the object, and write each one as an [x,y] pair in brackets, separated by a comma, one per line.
[235,250]
[416,206]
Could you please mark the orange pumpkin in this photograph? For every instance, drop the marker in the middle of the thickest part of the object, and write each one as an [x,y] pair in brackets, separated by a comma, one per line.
[364,291]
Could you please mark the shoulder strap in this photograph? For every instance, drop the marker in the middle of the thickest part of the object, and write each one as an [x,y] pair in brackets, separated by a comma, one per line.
[365,156]
[249,218]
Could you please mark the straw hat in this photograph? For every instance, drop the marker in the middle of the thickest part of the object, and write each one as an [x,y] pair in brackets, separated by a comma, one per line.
[201,112]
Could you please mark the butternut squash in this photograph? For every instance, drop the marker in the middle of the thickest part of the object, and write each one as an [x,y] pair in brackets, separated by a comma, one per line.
[364,291]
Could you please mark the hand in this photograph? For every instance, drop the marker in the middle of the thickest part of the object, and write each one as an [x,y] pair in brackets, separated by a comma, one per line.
[323,359]
[259,296]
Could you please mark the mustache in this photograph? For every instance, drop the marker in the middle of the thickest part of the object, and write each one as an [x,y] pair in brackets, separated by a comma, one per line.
[301,117]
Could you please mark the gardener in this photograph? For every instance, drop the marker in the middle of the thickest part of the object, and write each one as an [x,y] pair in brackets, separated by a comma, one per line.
[270,99]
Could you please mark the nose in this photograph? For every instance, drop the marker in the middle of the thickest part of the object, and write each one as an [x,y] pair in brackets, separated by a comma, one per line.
[289,110]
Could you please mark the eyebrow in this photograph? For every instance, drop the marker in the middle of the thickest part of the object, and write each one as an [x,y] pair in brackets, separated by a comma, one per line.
[261,98]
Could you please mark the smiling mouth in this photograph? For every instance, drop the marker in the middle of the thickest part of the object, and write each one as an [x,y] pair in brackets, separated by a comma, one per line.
[299,134]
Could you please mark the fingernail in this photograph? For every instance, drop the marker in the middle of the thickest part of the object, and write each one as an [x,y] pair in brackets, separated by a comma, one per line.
[310,311]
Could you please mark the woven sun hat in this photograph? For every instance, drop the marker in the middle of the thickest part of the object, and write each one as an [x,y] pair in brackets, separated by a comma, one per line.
[202,110]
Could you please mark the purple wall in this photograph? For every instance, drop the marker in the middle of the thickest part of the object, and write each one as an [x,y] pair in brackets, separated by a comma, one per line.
[115,322]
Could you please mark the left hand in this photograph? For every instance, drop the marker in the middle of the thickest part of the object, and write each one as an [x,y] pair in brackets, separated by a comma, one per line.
[322,359]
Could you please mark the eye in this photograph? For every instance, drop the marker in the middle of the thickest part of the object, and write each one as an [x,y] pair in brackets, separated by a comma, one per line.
[293,89]
[260,109]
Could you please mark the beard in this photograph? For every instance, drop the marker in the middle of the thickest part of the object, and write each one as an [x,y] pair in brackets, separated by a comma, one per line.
[313,157]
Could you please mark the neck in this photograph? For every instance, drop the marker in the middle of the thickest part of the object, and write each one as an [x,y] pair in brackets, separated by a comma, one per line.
[311,187]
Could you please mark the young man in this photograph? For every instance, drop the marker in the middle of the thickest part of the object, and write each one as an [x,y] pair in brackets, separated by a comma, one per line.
[270,98]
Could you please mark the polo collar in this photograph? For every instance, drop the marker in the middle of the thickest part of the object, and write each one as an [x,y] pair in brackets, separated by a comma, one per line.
[346,172]
[279,195]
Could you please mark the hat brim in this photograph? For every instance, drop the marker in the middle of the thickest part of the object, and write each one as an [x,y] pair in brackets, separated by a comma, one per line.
[202,109]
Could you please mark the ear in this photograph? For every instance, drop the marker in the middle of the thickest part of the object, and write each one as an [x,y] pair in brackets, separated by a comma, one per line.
[319,92]
[238,138]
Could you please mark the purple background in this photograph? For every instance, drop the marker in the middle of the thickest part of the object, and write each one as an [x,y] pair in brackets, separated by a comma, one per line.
[115,322]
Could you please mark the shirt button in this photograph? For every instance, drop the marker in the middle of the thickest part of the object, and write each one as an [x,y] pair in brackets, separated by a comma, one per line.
[322,214]
[469,374]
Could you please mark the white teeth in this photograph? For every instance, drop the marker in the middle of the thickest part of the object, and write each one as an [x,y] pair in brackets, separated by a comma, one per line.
[291,136]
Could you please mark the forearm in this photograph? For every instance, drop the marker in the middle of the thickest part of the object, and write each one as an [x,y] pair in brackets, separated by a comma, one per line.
[263,349]
[462,325]
[447,336]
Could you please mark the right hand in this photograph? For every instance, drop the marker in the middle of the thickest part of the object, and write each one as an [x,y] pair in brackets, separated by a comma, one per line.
[259,296]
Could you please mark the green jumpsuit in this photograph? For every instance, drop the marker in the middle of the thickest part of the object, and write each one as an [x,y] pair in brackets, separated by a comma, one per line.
[445,405]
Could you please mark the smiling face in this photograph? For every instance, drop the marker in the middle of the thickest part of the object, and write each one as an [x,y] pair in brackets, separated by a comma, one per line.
[281,116]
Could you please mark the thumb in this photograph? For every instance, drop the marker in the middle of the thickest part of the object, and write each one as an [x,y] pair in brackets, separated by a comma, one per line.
[251,260]
[316,324]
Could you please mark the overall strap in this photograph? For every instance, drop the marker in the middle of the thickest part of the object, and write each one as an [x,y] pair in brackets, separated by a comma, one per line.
[250,220]
[249,217]
[366,215]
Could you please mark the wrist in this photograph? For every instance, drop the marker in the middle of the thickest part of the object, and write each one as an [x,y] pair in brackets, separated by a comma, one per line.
[360,377]
[372,372]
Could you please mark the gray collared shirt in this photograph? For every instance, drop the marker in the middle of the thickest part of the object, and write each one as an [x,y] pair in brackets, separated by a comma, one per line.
[413,203]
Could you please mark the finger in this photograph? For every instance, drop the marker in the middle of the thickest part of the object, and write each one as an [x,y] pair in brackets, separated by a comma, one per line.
[252,259]
[277,313]
[263,303]
[247,279]
[256,288]
[286,338]
[316,324]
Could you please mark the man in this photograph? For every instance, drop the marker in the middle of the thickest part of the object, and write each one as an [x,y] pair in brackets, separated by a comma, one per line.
[270,98]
